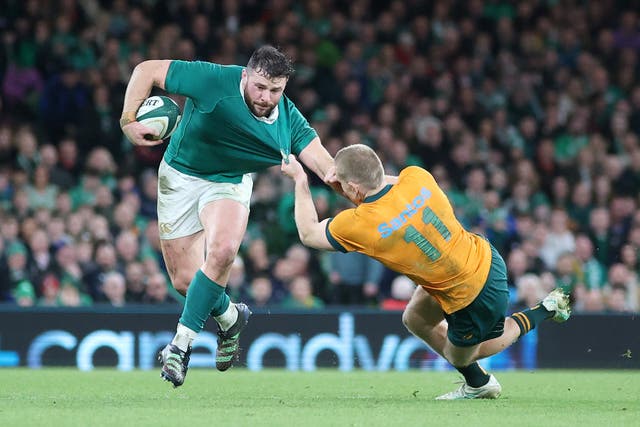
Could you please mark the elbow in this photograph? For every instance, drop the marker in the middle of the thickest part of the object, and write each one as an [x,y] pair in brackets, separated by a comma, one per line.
[141,70]
[151,63]
[307,237]
[141,66]
[154,69]
[304,237]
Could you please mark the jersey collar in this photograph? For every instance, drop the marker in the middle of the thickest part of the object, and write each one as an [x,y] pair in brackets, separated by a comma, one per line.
[379,194]
[268,120]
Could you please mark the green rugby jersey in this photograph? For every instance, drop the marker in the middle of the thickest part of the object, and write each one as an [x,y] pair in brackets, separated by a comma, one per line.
[218,138]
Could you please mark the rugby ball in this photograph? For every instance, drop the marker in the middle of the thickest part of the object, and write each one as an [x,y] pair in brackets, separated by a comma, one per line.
[161,114]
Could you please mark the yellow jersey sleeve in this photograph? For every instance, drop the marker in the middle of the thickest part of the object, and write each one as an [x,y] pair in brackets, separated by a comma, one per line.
[411,228]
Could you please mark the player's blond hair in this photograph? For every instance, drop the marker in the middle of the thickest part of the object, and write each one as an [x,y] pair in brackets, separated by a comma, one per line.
[359,164]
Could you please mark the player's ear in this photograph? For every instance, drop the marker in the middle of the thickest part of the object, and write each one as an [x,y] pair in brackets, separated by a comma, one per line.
[355,190]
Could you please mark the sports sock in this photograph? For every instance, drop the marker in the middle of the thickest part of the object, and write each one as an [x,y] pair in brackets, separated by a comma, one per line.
[474,375]
[529,318]
[204,297]
[228,318]
[184,337]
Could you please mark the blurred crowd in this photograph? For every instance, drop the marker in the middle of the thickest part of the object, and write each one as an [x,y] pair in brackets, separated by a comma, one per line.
[527,113]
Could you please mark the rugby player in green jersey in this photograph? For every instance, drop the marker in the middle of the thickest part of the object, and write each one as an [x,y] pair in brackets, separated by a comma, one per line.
[236,121]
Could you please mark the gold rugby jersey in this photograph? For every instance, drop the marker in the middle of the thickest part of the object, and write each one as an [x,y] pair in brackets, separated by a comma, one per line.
[411,228]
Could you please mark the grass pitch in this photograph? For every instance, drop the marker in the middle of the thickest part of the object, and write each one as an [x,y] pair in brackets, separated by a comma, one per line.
[106,397]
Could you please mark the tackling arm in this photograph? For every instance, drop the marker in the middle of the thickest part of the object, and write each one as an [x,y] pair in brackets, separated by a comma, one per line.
[318,159]
[311,232]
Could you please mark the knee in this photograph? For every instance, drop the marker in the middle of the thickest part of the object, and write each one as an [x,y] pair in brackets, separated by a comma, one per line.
[416,321]
[180,280]
[220,256]
[410,320]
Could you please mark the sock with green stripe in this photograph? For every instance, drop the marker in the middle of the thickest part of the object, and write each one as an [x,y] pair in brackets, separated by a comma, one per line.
[204,297]
[529,318]
[474,375]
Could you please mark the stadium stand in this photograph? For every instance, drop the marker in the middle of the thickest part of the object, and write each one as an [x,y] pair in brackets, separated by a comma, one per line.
[527,113]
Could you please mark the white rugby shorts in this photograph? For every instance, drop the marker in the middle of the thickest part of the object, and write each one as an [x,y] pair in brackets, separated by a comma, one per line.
[182,197]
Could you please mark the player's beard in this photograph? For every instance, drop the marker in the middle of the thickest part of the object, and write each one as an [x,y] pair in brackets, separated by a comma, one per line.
[265,111]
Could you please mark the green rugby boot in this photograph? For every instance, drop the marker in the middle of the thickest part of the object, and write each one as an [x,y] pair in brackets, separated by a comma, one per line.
[175,363]
[229,340]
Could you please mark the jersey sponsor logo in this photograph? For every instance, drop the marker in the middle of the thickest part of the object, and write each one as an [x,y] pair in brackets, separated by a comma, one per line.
[386,228]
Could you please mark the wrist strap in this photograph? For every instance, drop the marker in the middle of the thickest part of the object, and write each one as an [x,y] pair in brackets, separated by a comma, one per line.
[127,117]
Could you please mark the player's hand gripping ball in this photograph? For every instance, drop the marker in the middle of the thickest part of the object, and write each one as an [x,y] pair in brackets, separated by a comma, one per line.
[161,114]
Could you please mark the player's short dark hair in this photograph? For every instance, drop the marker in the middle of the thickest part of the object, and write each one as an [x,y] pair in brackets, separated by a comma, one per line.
[269,61]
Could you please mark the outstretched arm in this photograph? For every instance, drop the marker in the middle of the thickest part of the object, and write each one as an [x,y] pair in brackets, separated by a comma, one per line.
[145,76]
[318,159]
[311,232]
